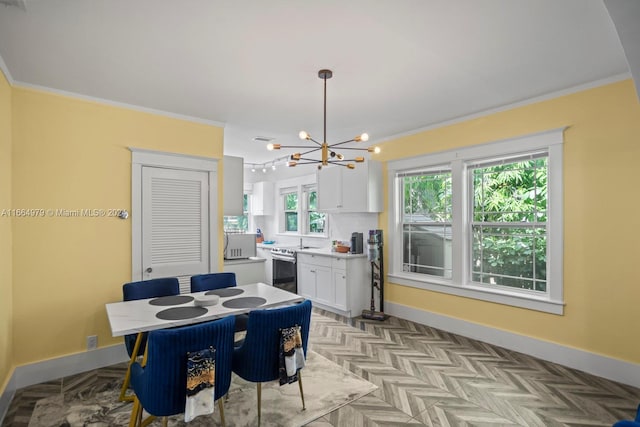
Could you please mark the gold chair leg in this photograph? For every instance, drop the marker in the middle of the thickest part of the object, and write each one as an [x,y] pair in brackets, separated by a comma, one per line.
[135,410]
[301,391]
[140,410]
[127,378]
[259,401]
[165,421]
[221,407]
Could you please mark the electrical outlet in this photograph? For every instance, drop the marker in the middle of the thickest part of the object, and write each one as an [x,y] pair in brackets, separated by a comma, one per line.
[92,342]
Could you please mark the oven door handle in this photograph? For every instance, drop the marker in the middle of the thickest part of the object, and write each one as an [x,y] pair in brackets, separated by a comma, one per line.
[284,258]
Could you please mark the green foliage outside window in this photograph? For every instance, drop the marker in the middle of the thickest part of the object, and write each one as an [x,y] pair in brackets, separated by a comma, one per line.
[427,224]
[238,223]
[509,225]
[291,212]
[316,219]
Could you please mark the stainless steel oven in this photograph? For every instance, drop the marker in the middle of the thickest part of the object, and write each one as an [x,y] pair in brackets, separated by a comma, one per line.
[285,275]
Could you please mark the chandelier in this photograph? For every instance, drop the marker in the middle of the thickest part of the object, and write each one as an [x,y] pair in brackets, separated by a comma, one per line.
[327,151]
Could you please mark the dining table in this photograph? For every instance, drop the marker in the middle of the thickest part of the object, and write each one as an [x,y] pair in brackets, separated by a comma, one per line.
[144,315]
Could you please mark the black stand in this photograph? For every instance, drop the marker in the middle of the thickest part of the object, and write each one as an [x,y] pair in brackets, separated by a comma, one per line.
[377,279]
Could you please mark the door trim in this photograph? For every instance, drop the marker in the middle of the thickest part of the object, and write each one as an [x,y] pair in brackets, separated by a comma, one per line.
[139,159]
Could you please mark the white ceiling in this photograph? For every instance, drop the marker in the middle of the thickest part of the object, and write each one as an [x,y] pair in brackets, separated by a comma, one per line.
[252,64]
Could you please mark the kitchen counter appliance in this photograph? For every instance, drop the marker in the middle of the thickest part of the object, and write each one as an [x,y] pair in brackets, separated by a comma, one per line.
[239,245]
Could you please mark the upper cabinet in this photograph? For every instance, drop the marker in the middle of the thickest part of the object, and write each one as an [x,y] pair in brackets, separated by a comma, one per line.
[351,190]
[233,178]
[262,199]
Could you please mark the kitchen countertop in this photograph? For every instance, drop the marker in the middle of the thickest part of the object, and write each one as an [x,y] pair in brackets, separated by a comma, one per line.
[266,246]
[329,252]
[250,260]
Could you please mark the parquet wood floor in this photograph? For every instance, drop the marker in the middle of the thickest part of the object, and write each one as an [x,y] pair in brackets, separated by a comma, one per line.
[425,377]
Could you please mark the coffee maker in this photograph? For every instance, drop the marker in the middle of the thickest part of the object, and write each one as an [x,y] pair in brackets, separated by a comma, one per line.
[356,243]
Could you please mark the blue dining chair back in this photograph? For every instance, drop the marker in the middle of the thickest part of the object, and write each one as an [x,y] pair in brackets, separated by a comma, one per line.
[211,281]
[629,423]
[160,386]
[152,288]
[257,359]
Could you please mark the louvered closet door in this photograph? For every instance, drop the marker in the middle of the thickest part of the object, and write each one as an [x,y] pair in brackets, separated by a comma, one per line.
[175,218]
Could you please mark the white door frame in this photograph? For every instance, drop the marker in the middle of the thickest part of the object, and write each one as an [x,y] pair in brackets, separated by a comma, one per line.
[141,157]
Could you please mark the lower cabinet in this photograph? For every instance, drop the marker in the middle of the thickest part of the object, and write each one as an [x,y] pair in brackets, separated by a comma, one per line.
[268,264]
[338,284]
[246,271]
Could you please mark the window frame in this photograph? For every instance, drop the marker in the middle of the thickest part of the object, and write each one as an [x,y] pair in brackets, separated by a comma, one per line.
[306,212]
[300,184]
[283,196]
[459,160]
[246,195]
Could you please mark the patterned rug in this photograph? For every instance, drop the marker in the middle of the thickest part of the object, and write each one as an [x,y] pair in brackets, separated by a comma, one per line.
[327,387]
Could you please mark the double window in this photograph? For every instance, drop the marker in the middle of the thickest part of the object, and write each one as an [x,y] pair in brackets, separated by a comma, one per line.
[299,211]
[483,222]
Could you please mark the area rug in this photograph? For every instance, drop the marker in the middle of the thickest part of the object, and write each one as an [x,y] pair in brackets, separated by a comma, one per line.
[327,387]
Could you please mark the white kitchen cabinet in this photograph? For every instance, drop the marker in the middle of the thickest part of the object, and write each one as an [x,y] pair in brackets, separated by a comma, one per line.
[268,264]
[312,283]
[350,190]
[246,270]
[262,198]
[334,282]
[233,178]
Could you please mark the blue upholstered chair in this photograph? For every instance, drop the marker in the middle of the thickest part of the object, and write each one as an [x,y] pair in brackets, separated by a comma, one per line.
[211,281]
[208,282]
[627,423]
[160,386]
[152,288]
[257,358]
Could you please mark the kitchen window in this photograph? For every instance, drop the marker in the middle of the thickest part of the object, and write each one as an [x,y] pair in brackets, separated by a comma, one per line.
[290,200]
[315,221]
[482,222]
[240,223]
[298,208]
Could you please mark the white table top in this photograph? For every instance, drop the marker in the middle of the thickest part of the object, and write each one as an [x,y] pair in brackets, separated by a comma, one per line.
[130,317]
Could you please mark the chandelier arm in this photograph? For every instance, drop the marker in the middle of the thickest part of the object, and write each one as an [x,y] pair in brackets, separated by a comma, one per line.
[311,151]
[311,139]
[311,161]
[354,148]
[343,142]
[298,146]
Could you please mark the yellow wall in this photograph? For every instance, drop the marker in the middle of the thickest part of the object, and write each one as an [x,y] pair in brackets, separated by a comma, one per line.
[72,154]
[6,294]
[601,221]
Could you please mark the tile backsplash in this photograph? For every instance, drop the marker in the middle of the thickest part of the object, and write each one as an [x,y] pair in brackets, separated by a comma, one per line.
[340,228]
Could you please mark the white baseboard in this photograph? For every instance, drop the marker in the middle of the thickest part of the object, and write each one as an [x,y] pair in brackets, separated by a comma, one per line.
[52,369]
[595,364]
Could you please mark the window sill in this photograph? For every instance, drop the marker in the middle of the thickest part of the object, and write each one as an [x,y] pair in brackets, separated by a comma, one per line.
[475,292]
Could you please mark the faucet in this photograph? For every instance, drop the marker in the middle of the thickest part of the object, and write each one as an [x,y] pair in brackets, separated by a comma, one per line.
[301,243]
